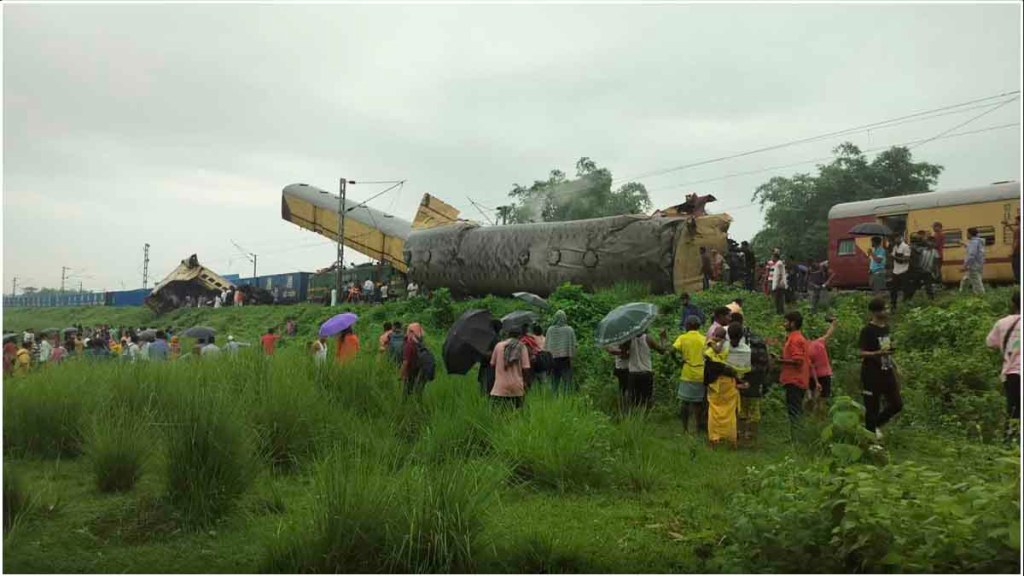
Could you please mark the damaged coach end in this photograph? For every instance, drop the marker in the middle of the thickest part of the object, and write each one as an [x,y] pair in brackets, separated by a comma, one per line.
[188,279]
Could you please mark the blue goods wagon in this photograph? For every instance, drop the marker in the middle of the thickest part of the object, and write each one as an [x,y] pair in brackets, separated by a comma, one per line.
[286,288]
[127,297]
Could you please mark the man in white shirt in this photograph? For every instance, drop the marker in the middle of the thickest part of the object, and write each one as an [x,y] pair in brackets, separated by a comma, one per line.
[779,282]
[45,349]
[210,349]
[384,292]
[900,269]
[412,289]
[368,290]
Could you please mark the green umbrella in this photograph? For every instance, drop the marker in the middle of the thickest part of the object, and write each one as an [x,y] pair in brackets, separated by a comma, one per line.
[625,322]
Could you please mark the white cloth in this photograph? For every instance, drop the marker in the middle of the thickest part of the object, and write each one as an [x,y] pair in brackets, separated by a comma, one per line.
[779,281]
[319,352]
[902,249]
[216,301]
[45,349]
[144,351]
[368,287]
[210,350]
[133,352]
[412,289]
[384,291]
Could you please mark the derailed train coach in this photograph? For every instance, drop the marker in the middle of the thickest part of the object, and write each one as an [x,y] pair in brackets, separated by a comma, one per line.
[439,250]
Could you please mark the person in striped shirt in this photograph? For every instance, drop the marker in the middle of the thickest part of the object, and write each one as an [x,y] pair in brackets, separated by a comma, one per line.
[561,343]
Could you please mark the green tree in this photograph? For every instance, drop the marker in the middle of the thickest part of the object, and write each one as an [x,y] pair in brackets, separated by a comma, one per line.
[589,195]
[796,208]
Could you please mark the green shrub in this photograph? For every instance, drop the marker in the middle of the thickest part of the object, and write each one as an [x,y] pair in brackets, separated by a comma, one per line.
[460,422]
[289,418]
[558,443]
[537,554]
[902,517]
[209,462]
[637,461]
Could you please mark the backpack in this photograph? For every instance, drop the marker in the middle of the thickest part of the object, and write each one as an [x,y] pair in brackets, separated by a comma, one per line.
[542,361]
[760,359]
[396,345]
[427,363]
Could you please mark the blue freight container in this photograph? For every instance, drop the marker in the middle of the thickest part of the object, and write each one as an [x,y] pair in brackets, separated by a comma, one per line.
[127,297]
[287,288]
[233,278]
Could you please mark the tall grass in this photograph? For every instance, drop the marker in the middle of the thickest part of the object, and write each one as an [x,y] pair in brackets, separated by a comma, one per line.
[118,446]
[15,498]
[369,518]
[209,453]
[557,442]
[637,464]
[459,424]
[43,413]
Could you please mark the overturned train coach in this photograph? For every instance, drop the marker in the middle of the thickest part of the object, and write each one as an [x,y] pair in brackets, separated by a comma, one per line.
[439,250]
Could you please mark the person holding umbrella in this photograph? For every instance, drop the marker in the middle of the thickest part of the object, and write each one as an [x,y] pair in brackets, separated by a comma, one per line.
[561,343]
[511,362]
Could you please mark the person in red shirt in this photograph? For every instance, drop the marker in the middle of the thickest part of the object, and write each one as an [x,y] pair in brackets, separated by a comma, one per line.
[796,367]
[269,341]
[821,366]
[410,371]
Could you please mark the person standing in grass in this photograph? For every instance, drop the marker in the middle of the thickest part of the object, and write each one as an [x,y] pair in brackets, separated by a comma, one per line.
[974,262]
[159,350]
[45,349]
[269,341]
[22,359]
[348,346]
[1005,337]
[382,342]
[691,390]
[780,282]
[561,343]
[796,369]
[511,362]
[877,371]
[640,390]
[876,266]
[688,310]
[621,371]
[485,374]
[10,354]
[59,352]
[319,349]
[720,380]
[132,349]
[721,318]
[210,350]
[175,346]
[821,366]
[396,343]
[410,370]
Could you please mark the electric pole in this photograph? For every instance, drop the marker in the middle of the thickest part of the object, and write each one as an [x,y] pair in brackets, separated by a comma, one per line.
[145,266]
[341,235]
[251,256]
[63,275]
[14,286]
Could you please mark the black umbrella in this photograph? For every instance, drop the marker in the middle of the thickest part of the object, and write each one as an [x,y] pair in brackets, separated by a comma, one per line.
[468,340]
[71,330]
[147,335]
[870,229]
[200,332]
[532,299]
[518,319]
[51,331]
[10,338]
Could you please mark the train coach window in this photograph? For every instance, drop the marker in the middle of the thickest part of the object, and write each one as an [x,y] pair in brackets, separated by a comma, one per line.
[988,234]
[953,238]
[846,247]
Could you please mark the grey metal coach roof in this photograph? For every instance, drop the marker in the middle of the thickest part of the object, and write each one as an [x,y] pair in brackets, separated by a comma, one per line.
[900,204]
[371,217]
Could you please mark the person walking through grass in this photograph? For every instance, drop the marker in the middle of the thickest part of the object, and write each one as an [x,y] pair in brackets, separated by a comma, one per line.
[319,349]
[878,371]
[561,344]
[210,349]
[688,310]
[10,354]
[382,342]
[796,370]
[159,349]
[410,372]
[876,266]
[175,347]
[269,341]
[485,373]
[347,346]
[511,362]
[721,318]
[901,275]
[1005,337]
[974,263]
[621,371]
[780,283]
[691,390]
[22,359]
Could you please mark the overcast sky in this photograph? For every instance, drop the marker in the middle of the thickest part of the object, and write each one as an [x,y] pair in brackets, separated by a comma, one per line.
[180,125]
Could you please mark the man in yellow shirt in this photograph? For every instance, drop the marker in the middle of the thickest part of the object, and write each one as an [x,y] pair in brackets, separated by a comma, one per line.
[691,391]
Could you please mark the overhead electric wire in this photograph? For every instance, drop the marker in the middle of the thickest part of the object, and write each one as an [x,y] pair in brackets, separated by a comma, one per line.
[928,114]
[491,222]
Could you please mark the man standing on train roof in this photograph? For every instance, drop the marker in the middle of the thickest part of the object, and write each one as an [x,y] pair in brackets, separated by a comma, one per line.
[900,270]
[974,262]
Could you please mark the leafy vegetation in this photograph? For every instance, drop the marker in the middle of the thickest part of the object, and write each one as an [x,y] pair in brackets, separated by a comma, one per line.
[246,464]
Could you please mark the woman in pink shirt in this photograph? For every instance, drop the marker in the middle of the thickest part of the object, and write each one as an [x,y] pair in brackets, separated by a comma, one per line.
[511,362]
[821,367]
[1005,337]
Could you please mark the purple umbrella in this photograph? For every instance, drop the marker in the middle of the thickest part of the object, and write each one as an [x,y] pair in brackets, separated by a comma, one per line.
[338,323]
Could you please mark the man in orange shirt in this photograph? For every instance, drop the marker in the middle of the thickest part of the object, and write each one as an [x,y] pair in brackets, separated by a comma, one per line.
[269,341]
[348,346]
[796,369]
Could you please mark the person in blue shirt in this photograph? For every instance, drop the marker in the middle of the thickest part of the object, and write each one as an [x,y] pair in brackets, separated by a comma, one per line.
[974,262]
[159,350]
[876,266]
[689,310]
